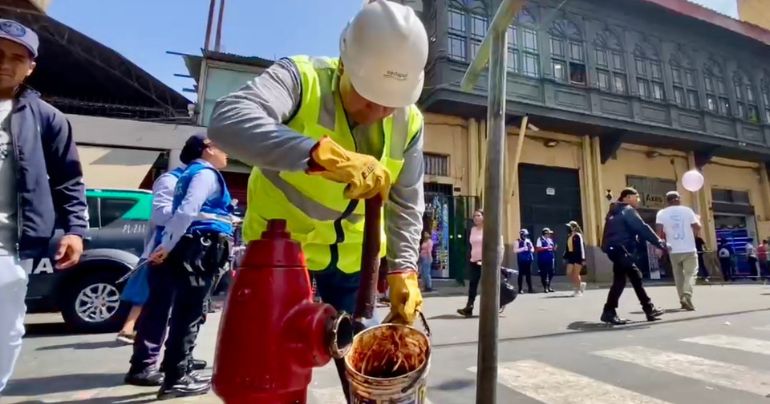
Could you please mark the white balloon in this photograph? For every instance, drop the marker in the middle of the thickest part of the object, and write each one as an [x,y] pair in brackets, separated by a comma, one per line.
[692,180]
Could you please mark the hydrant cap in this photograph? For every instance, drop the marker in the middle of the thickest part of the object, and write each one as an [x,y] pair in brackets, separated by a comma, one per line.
[275,249]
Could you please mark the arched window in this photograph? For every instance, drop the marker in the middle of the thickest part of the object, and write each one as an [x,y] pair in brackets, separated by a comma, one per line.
[610,62]
[649,73]
[765,88]
[467,24]
[684,78]
[745,96]
[523,55]
[717,100]
[568,63]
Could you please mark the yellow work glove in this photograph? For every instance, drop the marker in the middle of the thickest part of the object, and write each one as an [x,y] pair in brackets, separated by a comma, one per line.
[364,175]
[405,297]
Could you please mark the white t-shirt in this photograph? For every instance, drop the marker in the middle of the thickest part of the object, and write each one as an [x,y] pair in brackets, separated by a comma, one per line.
[677,223]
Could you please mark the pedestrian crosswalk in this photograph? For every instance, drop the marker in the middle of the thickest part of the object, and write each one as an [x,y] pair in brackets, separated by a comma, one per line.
[537,379]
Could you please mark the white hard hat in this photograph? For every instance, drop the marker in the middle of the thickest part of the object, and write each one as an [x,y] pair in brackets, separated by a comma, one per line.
[384,50]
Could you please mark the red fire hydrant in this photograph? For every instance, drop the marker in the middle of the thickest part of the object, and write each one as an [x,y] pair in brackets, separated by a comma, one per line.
[272,334]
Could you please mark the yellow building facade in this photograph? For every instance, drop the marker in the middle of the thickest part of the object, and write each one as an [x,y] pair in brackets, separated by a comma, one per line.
[462,142]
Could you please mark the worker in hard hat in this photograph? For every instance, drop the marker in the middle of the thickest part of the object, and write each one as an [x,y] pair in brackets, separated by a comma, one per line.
[324,133]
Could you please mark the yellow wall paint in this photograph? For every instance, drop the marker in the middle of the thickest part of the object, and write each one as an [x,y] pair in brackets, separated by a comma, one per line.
[755,11]
[633,160]
[566,154]
[449,136]
[741,176]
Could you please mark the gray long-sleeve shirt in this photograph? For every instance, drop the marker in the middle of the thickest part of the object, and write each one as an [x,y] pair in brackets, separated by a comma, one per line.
[250,124]
[162,201]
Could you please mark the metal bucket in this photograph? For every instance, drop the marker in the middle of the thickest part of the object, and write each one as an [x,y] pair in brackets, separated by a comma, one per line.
[389,383]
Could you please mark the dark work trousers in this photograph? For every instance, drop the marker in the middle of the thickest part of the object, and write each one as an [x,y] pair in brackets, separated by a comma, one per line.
[546,272]
[339,290]
[474,275]
[623,266]
[153,320]
[525,270]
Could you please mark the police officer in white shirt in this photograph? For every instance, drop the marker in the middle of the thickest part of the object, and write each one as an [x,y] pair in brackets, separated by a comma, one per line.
[678,225]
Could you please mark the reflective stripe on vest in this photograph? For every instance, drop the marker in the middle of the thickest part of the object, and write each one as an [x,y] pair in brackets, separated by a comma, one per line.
[329,226]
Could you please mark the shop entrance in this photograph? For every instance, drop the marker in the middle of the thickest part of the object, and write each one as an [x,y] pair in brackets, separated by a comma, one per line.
[448,219]
[549,197]
[735,223]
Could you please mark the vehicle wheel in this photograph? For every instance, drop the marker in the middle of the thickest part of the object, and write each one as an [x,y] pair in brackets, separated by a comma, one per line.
[93,304]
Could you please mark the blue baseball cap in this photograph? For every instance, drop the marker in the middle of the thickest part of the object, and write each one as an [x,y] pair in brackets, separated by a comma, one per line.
[13,31]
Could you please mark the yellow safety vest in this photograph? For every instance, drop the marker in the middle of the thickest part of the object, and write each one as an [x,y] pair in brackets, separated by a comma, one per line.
[329,226]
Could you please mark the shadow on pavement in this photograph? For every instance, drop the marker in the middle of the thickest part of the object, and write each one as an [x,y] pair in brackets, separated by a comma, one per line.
[84,345]
[560,297]
[37,386]
[590,326]
[47,329]
[454,384]
[451,317]
[666,311]
[137,398]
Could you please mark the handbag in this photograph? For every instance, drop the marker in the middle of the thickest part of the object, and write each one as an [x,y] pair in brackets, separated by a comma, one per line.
[507,292]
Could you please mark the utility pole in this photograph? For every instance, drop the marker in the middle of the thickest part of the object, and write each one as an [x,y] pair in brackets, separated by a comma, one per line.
[493,50]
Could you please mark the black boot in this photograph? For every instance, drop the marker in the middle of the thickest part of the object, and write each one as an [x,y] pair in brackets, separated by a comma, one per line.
[611,317]
[467,311]
[652,312]
[145,378]
[184,386]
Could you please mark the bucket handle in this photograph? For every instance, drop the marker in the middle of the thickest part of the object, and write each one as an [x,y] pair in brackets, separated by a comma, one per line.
[424,321]
[427,332]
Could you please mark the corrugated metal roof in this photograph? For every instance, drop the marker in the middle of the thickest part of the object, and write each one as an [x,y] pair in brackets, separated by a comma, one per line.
[699,12]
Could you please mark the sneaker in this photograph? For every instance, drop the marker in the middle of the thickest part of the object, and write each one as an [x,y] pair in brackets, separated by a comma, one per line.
[653,313]
[185,386]
[146,378]
[199,377]
[582,287]
[126,337]
[611,317]
[577,293]
[465,311]
[687,303]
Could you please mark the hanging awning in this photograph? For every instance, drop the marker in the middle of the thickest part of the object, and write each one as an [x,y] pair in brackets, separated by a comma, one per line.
[107,167]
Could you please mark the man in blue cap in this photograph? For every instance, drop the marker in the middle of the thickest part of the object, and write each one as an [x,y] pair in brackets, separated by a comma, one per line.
[41,185]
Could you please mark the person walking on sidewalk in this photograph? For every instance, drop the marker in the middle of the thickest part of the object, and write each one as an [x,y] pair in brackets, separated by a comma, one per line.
[575,256]
[525,254]
[700,246]
[545,248]
[426,261]
[475,239]
[623,228]
[678,225]
[41,185]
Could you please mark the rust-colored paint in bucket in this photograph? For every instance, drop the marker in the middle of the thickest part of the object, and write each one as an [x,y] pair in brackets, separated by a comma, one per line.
[389,364]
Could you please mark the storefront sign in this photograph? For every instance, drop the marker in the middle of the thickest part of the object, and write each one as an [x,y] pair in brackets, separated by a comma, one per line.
[652,191]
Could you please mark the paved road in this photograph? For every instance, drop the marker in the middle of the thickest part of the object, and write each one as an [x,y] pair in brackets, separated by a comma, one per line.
[552,350]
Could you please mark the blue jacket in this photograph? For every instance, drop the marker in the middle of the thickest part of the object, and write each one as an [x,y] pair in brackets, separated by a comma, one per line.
[219,206]
[624,227]
[49,176]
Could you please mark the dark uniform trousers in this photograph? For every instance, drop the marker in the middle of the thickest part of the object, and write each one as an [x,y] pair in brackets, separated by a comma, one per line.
[623,266]
[176,300]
